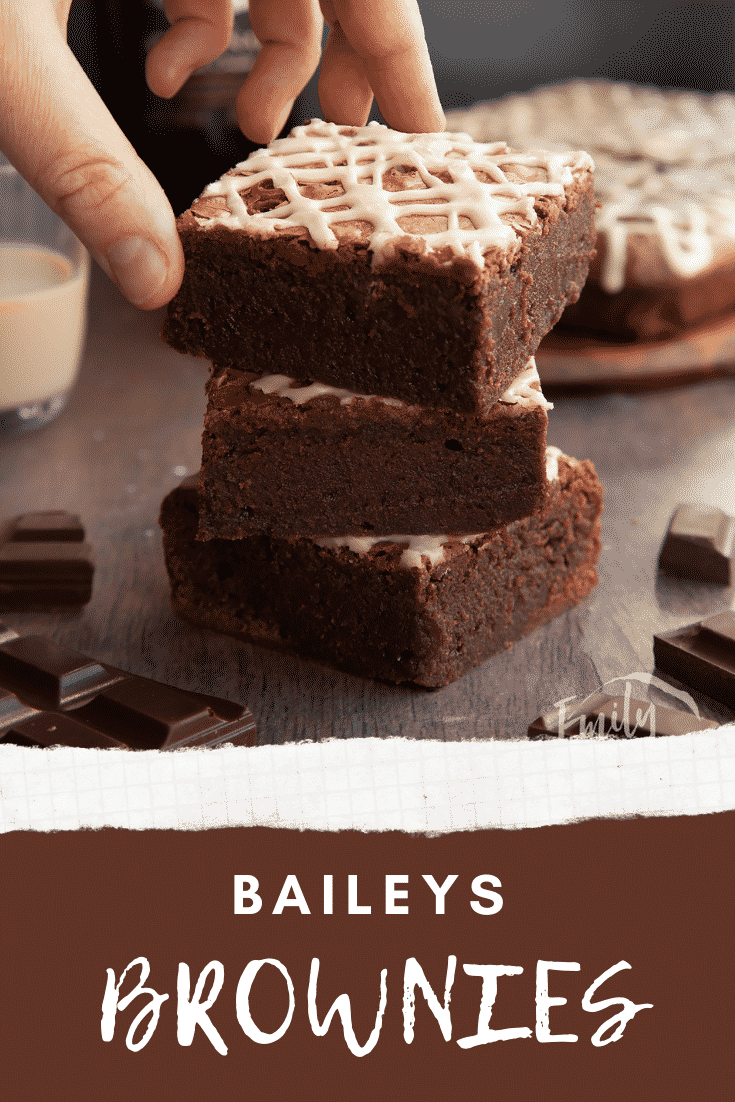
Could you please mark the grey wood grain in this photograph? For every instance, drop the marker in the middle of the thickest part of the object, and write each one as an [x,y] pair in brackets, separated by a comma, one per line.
[132,430]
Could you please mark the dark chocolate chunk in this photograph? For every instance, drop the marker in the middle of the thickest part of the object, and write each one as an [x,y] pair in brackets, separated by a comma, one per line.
[13,710]
[54,527]
[618,716]
[148,714]
[44,560]
[699,545]
[57,729]
[721,626]
[49,675]
[701,656]
[53,696]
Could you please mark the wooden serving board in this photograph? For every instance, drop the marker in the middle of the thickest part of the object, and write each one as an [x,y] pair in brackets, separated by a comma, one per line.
[566,360]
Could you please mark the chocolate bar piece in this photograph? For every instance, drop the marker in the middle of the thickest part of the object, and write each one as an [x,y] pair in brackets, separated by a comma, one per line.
[52,696]
[45,560]
[54,527]
[699,545]
[701,656]
[618,716]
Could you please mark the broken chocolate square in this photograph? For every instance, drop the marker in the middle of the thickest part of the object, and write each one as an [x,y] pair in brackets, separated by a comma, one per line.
[51,695]
[701,656]
[44,560]
[699,545]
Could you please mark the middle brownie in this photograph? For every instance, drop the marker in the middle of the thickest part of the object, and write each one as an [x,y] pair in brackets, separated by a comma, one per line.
[301,458]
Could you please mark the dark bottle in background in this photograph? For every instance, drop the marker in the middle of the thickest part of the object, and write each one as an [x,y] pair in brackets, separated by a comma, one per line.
[186,141]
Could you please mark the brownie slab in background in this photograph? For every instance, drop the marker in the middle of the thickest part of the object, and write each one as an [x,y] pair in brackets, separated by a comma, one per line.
[653,311]
[51,695]
[44,560]
[665,176]
[699,545]
[701,656]
[284,457]
[420,267]
[419,609]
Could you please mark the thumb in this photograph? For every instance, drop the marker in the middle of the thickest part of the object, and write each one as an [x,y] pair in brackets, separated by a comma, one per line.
[60,136]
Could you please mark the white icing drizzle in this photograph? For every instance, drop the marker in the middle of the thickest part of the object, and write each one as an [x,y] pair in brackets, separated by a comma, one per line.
[282,386]
[431,547]
[525,390]
[553,455]
[683,236]
[417,547]
[664,162]
[358,157]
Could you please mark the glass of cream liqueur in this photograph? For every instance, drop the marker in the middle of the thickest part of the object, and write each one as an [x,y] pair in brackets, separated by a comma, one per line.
[44,277]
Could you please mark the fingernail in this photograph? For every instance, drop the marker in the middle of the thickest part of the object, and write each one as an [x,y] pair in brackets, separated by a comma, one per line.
[138,267]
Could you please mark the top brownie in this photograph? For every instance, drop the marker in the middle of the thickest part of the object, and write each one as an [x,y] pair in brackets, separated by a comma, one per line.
[424,267]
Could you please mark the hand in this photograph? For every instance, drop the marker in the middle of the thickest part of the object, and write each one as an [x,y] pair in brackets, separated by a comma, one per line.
[58,133]
[374,46]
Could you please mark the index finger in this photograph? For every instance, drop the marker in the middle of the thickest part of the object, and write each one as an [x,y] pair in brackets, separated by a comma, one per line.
[388,37]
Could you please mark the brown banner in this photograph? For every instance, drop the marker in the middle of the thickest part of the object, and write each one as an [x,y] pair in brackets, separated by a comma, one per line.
[589,961]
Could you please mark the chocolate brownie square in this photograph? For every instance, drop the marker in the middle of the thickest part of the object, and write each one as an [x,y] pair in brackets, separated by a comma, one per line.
[423,267]
[282,456]
[423,609]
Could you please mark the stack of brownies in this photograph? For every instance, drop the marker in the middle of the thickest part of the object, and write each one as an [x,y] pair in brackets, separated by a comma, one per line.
[376,491]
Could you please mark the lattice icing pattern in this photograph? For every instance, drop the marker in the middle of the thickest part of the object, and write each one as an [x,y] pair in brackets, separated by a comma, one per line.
[525,390]
[430,547]
[664,162]
[473,197]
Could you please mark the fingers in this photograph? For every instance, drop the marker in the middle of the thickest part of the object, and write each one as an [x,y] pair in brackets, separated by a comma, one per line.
[290,32]
[387,38]
[198,34]
[345,94]
[60,136]
[373,46]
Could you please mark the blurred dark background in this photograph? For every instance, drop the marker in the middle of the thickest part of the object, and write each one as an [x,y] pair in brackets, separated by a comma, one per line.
[480,49]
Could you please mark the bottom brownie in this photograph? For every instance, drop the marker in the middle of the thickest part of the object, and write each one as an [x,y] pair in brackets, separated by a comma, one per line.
[425,609]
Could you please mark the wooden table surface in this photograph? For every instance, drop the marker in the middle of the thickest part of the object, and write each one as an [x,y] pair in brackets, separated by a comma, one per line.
[132,430]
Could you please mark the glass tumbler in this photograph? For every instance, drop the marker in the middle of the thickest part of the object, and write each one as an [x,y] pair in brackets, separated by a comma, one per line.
[44,279]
